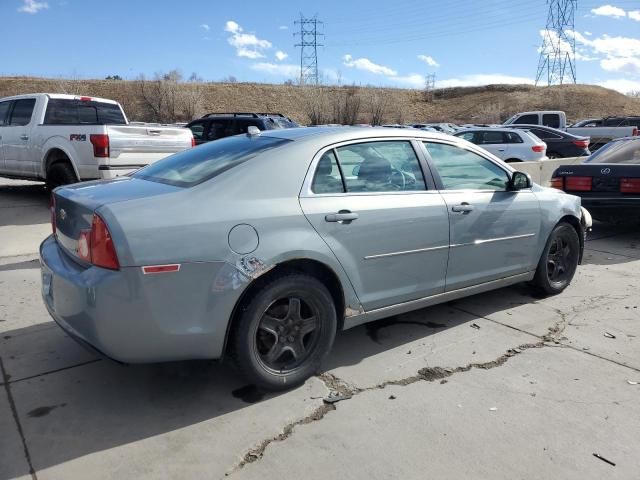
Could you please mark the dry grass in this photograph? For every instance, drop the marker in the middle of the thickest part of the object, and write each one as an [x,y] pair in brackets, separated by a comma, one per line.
[460,105]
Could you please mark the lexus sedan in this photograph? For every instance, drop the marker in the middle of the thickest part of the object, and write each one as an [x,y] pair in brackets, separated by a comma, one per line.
[262,246]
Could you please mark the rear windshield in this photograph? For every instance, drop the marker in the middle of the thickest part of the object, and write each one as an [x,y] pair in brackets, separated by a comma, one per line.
[196,165]
[78,112]
[621,151]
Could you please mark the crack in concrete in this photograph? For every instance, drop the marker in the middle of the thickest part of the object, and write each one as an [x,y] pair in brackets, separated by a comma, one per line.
[16,418]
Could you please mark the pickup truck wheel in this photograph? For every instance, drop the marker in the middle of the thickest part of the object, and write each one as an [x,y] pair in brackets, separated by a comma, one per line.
[559,260]
[60,174]
[284,332]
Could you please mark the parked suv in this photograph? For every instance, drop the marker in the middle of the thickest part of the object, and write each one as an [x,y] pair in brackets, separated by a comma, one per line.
[507,144]
[213,126]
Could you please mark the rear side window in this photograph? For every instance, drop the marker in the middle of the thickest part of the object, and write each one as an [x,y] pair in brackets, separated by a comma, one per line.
[196,165]
[22,111]
[551,120]
[77,112]
[4,113]
[618,152]
[220,129]
[513,137]
[545,134]
[491,138]
[468,136]
[528,119]
[198,130]
[327,178]
[384,166]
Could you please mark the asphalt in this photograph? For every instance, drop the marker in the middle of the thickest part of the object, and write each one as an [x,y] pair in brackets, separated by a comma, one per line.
[502,385]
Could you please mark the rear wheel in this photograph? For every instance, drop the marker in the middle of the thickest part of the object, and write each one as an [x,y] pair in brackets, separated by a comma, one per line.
[284,332]
[559,260]
[60,174]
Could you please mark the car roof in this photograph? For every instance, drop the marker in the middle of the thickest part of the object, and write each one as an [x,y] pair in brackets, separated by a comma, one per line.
[330,135]
[61,96]
[487,129]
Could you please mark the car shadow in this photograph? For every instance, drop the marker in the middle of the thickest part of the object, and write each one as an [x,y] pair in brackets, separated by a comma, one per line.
[610,244]
[23,203]
[101,405]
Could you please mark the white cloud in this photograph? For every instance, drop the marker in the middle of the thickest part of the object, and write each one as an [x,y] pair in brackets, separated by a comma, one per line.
[280,55]
[609,11]
[622,85]
[429,60]
[246,44]
[205,27]
[564,46]
[368,66]
[414,80]
[32,6]
[280,69]
[634,15]
[630,65]
[588,34]
[283,27]
[483,79]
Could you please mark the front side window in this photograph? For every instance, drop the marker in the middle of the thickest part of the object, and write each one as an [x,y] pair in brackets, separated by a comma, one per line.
[4,113]
[461,169]
[384,166]
[327,178]
[22,110]
[196,165]
[527,119]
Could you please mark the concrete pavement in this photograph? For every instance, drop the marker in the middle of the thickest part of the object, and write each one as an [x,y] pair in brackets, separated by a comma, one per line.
[500,385]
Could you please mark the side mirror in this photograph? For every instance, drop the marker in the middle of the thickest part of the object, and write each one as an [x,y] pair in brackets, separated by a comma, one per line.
[519,181]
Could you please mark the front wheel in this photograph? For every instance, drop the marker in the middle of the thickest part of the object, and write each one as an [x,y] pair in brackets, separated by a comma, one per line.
[284,332]
[559,260]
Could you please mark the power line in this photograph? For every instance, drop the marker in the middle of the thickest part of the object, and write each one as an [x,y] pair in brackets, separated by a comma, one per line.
[308,36]
[558,51]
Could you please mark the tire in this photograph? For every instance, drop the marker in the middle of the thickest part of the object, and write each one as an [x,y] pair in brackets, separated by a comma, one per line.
[275,342]
[556,268]
[60,174]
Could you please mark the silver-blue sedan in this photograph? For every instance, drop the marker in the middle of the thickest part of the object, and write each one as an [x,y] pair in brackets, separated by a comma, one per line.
[262,246]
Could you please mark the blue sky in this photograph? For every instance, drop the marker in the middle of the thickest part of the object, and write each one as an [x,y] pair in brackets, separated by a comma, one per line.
[377,42]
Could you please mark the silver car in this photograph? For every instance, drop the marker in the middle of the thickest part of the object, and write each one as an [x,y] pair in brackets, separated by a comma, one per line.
[262,246]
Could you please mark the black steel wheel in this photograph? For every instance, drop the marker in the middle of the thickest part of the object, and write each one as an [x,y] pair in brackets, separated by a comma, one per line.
[285,331]
[559,260]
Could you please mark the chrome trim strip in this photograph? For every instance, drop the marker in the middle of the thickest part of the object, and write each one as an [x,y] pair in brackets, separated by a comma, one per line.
[491,240]
[435,299]
[405,252]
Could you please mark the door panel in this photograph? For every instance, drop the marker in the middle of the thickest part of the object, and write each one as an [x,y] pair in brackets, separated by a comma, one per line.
[15,138]
[396,249]
[495,239]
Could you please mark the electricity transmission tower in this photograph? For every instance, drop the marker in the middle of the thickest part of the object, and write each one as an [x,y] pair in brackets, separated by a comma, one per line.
[308,43]
[558,52]
[429,86]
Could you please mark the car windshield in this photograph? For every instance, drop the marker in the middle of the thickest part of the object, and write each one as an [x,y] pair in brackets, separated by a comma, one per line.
[196,165]
[622,151]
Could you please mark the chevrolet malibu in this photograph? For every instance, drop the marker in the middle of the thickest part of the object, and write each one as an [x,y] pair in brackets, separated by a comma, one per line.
[262,246]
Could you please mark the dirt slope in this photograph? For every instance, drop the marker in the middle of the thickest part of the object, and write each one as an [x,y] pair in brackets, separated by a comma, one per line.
[491,103]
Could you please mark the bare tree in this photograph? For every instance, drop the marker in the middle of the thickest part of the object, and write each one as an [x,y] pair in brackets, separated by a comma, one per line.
[315,104]
[378,101]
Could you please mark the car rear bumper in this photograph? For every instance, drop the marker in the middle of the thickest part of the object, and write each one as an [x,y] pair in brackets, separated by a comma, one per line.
[136,318]
[614,208]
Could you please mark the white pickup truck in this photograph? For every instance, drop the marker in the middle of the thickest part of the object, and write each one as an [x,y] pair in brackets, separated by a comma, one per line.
[65,139]
[558,119]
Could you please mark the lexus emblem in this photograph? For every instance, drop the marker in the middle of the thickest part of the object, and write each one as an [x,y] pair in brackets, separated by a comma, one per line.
[605,171]
[62,214]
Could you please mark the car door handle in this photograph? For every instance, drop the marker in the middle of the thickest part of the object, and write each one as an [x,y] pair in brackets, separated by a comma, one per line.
[342,216]
[24,137]
[501,149]
[464,207]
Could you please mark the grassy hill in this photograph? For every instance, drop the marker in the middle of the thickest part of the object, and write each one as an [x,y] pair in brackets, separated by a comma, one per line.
[182,101]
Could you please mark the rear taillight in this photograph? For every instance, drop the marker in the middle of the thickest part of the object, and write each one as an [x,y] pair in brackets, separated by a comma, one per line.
[538,148]
[100,144]
[581,143]
[193,142]
[96,245]
[630,185]
[578,184]
[52,210]
[635,132]
[557,182]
